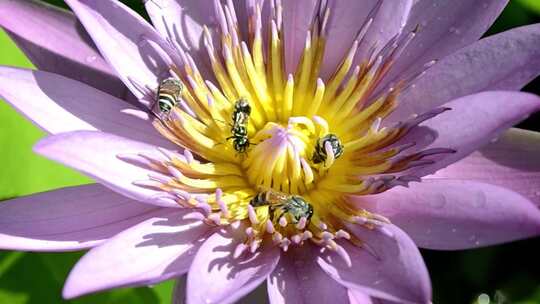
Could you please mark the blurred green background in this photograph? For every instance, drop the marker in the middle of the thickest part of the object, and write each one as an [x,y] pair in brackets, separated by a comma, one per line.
[508,273]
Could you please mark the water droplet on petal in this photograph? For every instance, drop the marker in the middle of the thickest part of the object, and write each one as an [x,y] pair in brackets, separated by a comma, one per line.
[479,200]
[483,299]
[91,59]
[438,201]
[454,30]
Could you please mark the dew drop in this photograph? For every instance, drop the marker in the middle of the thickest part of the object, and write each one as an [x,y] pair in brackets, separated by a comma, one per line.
[479,200]
[483,299]
[91,59]
[454,30]
[438,201]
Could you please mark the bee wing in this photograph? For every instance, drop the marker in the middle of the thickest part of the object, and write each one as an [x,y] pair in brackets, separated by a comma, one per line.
[276,197]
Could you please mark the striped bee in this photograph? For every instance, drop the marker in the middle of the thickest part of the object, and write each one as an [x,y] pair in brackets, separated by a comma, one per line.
[319,155]
[240,118]
[281,204]
[241,113]
[169,93]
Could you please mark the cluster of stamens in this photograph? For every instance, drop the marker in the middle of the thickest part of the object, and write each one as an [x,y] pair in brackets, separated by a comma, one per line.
[320,140]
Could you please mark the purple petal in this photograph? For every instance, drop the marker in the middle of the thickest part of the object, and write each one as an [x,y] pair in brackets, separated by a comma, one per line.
[181,21]
[506,61]
[155,250]
[55,42]
[512,162]
[392,269]
[297,18]
[130,45]
[346,20]
[472,122]
[58,104]
[67,219]
[357,297]
[444,27]
[224,278]
[387,23]
[298,279]
[97,155]
[456,214]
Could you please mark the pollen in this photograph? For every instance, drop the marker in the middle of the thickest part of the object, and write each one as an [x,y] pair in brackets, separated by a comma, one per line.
[283,153]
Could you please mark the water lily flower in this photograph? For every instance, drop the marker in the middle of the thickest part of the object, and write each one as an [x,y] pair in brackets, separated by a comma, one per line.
[312,145]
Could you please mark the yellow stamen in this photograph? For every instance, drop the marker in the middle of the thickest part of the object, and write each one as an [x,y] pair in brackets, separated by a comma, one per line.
[281,146]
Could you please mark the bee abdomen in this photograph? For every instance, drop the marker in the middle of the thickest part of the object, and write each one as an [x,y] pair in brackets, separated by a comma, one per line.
[169,93]
[259,200]
[166,102]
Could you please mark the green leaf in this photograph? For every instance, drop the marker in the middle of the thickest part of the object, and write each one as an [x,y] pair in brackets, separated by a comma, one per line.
[532,5]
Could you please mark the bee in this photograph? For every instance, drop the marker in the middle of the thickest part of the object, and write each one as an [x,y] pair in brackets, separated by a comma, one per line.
[241,113]
[240,118]
[281,204]
[319,155]
[169,93]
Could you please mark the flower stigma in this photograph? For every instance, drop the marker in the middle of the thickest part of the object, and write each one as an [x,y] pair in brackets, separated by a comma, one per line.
[283,153]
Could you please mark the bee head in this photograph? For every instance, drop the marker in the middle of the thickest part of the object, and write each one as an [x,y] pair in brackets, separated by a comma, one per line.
[242,105]
[320,153]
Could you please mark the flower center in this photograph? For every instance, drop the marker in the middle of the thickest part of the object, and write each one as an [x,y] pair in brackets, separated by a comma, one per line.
[282,153]
[282,157]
